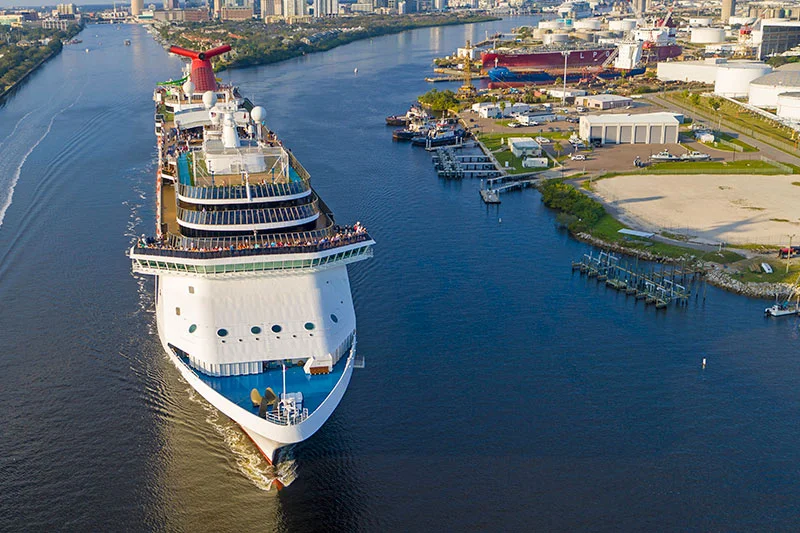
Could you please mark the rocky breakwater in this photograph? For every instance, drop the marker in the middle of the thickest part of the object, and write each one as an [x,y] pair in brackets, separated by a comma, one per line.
[719,278]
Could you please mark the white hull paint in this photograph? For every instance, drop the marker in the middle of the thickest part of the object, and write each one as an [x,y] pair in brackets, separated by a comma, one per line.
[268,436]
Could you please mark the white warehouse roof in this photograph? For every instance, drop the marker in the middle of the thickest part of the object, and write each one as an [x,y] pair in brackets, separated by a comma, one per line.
[625,118]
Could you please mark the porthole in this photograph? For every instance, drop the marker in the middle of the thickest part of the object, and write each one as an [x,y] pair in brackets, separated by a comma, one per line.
[192,328]
[309,326]
[222,332]
[335,318]
[276,328]
[255,330]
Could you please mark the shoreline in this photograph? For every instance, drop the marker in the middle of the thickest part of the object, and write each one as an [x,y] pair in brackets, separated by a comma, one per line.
[717,273]
[11,88]
[343,39]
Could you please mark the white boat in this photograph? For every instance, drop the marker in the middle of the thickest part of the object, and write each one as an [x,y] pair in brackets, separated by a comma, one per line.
[695,156]
[664,155]
[781,310]
[253,302]
[766,268]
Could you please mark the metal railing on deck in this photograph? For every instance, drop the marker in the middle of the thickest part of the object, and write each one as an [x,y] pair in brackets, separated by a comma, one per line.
[210,248]
[236,192]
[240,217]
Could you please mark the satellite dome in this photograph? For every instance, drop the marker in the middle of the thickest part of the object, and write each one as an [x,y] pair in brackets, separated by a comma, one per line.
[258,114]
[188,89]
[209,99]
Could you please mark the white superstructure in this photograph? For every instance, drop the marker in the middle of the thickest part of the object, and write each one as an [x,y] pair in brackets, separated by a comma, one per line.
[253,300]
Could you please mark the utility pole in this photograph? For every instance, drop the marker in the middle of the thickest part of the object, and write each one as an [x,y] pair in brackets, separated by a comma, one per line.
[789,255]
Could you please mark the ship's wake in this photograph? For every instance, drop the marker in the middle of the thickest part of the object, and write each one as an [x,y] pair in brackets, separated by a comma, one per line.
[247,457]
[14,145]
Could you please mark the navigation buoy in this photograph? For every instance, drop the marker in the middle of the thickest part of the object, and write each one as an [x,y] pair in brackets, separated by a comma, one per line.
[704,362]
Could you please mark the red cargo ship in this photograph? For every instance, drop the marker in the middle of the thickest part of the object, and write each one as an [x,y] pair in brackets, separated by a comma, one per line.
[578,59]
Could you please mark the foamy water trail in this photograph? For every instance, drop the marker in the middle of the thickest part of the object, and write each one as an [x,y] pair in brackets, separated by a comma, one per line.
[18,171]
[248,459]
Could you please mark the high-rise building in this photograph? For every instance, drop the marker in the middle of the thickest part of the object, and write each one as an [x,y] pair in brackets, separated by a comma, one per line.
[66,9]
[136,7]
[171,4]
[728,8]
[294,8]
[326,8]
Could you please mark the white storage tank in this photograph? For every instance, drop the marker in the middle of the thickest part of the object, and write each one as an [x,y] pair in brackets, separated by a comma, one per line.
[741,21]
[550,25]
[707,35]
[789,106]
[733,79]
[622,25]
[701,21]
[587,24]
[764,91]
[555,38]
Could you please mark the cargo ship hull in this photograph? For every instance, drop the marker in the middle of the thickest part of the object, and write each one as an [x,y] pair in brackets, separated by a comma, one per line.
[577,59]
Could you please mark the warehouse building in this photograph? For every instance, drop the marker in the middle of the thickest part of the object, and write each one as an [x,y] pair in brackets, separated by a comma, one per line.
[524,147]
[646,128]
[603,101]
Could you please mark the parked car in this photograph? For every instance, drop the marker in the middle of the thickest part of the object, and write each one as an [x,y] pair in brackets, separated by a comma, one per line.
[542,140]
[514,125]
[580,109]
[573,120]
[578,157]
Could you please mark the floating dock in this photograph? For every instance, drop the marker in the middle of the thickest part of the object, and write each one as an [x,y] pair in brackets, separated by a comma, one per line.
[657,287]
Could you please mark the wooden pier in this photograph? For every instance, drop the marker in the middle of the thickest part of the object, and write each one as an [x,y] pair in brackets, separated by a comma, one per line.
[656,287]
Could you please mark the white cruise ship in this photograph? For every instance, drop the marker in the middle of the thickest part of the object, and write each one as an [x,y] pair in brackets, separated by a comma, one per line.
[252,295]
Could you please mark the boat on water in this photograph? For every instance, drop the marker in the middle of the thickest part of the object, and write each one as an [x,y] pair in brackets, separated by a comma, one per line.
[252,294]
[782,309]
[414,113]
[127,42]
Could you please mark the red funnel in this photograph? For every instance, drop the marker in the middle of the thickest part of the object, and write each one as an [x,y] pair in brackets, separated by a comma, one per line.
[202,73]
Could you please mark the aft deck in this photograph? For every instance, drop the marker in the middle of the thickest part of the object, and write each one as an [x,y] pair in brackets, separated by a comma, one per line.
[314,388]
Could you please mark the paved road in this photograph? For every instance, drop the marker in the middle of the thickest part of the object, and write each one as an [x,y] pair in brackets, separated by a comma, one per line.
[765,149]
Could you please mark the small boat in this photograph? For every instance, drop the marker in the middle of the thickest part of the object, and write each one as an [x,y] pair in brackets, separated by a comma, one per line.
[781,310]
[404,134]
[127,42]
[439,138]
[355,70]
[396,120]
[87,50]
[664,156]
[695,156]
[766,268]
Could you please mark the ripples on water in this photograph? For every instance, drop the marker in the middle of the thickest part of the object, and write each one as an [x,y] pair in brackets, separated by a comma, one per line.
[501,392]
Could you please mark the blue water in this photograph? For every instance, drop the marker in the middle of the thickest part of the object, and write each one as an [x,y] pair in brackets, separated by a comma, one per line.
[501,392]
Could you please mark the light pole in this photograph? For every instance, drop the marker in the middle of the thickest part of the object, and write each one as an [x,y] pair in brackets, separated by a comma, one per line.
[789,255]
[565,53]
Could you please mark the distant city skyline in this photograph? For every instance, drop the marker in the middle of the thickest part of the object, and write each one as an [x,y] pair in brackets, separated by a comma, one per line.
[8,4]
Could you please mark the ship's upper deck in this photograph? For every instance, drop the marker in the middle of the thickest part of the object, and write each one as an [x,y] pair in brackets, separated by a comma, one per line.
[229,188]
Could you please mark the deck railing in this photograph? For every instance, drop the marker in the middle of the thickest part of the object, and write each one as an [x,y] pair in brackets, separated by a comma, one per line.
[287,419]
[241,217]
[200,248]
[239,192]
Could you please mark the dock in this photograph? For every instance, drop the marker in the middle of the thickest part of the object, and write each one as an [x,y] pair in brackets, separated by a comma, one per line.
[452,165]
[490,196]
[659,288]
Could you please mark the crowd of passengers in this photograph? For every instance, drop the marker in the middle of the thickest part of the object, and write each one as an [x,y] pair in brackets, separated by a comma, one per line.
[341,235]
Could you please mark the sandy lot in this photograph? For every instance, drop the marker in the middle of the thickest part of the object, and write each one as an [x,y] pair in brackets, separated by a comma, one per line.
[712,208]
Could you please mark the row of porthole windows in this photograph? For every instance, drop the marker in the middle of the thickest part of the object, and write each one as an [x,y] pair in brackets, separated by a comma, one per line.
[256,330]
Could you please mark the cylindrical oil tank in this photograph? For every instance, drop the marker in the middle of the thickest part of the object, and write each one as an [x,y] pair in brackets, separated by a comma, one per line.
[622,25]
[707,35]
[701,21]
[587,24]
[550,24]
[789,106]
[555,38]
[733,79]
[584,36]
